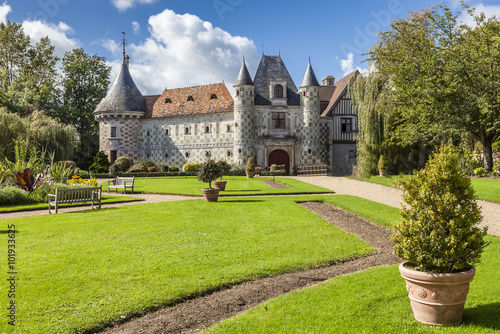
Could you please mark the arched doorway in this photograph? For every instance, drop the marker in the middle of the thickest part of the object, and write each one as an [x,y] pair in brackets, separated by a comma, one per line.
[280,157]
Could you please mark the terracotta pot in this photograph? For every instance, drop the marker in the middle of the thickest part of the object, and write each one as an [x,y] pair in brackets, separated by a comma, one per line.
[437,298]
[220,185]
[381,172]
[211,194]
[250,174]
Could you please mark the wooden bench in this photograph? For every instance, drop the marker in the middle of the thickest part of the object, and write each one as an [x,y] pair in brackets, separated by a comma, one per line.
[122,183]
[75,195]
[312,170]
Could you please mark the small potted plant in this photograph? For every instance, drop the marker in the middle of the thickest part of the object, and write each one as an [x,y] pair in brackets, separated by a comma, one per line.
[250,168]
[209,171]
[382,165]
[439,239]
[225,167]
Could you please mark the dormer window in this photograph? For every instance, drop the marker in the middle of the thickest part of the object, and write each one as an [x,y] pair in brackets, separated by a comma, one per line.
[278,92]
[213,96]
[190,98]
[187,130]
[167,100]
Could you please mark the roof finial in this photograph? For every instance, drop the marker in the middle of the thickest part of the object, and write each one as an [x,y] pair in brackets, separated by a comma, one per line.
[279,50]
[124,41]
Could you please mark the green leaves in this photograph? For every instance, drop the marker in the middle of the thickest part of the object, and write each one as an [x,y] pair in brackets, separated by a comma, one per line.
[438,231]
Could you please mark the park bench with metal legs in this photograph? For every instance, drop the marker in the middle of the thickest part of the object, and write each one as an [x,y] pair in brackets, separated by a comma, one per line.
[121,182]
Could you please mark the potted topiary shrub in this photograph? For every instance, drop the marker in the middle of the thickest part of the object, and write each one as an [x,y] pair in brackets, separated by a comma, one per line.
[382,165]
[439,239]
[209,171]
[250,168]
[225,167]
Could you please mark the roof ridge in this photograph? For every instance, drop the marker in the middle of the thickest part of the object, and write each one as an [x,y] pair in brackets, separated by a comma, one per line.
[212,84]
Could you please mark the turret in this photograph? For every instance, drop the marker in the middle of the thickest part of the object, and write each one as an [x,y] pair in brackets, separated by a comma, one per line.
[119,115]
[310,105]
[244,110]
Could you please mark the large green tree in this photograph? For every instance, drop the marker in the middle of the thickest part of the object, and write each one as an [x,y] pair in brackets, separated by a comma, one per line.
[444,76]
[28,73]
[85,79]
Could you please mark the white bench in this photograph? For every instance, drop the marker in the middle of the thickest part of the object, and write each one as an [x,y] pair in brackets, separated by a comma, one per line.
[75,195]
[122,183]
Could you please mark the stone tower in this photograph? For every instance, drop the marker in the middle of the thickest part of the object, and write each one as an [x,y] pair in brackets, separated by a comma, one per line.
[119,114]
[244,111]
[310,105]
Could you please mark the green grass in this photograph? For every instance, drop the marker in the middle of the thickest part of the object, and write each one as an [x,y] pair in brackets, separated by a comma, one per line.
[236,185]
[487,189]
[372,301]
[80,271]
[106,199]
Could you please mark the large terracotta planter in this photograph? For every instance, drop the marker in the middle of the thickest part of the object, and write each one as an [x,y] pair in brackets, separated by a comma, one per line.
[381,172]
[211,194]
[437,298]
[220,185]
[250,174]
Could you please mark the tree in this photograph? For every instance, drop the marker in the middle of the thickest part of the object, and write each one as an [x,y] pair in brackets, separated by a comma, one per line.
[444,76]
[85,79]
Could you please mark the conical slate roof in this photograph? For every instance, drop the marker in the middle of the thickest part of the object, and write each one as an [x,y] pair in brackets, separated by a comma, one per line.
[123,95]
[244,78]
[309,78]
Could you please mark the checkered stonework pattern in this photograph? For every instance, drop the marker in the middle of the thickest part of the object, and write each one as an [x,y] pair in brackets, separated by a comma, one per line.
[244,129]
[127,140]
[324,142]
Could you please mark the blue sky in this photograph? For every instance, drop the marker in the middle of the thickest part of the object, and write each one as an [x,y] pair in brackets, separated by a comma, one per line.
[185,43]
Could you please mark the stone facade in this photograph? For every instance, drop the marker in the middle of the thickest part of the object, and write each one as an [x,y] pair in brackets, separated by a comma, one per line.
[267,118]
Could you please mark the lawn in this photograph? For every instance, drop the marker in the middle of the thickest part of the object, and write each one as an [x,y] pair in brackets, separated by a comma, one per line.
[236,185]
[81,271]
[372,301]
[105,199]
[485,188]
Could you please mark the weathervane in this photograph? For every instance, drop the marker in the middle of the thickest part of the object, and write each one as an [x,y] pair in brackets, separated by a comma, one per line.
[124,41]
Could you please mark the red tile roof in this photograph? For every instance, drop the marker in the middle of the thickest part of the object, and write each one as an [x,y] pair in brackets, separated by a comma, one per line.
[337,94]
[203,101]
[325,95]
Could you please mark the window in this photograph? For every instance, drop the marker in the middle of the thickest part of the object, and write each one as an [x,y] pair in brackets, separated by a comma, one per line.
[187,130]
[279,120]
[229,154]
[229,128]
[147,134]
[166,155]
[352,153]
[278,92]
[167,100]
[346,125]
[207,129]
[213,96]
[113,131]
[208,154]
[187,154]
[190,98]
[166,132]
[112,156]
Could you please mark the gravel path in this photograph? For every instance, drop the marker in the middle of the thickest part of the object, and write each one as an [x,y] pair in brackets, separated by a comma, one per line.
[392,196]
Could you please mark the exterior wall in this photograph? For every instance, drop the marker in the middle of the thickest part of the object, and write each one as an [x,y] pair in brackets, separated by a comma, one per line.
[127,140]
[343,158]
[177,148]
[311,154]
[244,128]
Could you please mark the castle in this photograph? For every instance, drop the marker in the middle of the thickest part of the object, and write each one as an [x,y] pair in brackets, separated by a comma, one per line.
[268,119]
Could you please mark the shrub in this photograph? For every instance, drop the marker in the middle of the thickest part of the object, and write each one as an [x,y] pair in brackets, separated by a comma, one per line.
[237,171]
[174,169]
[191,167]
[438,232]
[151,169]
[480,171]
[496,168]
[382,163]
[250,167]
[209,171]
[163,168]
[141,166]
[14,195]
[101,163]
[273,168]
[121,165]
[225,167]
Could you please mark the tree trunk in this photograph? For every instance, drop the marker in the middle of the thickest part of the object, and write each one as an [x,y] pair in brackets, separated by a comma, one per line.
[487,155]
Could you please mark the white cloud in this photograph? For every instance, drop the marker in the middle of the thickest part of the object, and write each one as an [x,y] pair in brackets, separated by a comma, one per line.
[488,10]
[136,27]
[5,9]
[347,65]
[183,50]
[58,35]
[110,45]
[123,5]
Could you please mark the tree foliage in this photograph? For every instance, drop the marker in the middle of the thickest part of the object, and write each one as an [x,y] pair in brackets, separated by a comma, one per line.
[444,76]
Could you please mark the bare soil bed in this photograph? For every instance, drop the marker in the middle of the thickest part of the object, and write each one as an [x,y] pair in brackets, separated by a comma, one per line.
[192,316]
[274,184]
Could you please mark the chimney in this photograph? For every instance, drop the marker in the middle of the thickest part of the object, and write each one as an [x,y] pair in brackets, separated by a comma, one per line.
[328,81]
